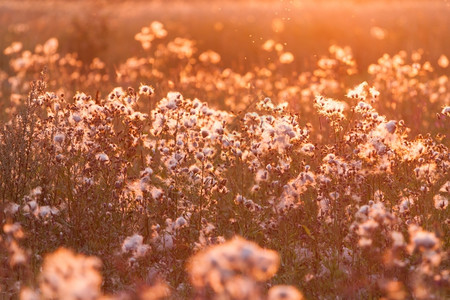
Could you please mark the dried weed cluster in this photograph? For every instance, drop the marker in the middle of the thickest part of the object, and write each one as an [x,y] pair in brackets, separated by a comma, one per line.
[149,182]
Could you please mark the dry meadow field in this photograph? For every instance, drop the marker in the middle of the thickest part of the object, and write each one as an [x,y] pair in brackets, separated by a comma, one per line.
[267,150]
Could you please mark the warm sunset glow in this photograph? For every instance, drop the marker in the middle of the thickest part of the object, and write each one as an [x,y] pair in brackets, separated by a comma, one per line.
[224,149]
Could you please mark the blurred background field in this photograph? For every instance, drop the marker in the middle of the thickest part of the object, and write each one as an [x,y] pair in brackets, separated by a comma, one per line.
[235,29]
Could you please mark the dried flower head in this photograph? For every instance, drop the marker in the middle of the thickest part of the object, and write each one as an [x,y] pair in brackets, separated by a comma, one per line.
[66,275]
